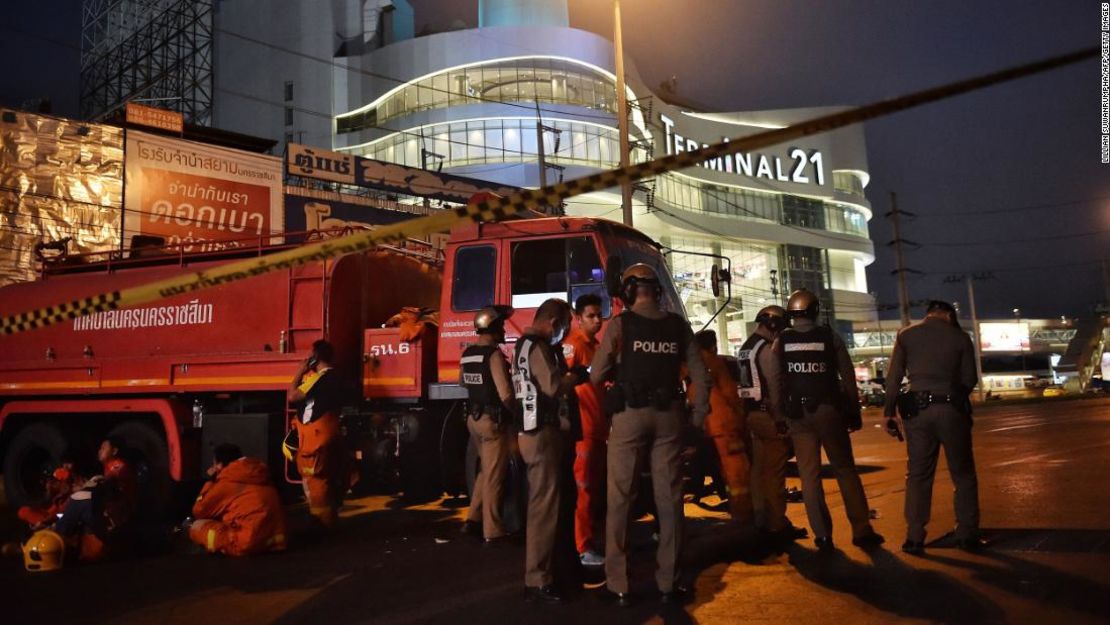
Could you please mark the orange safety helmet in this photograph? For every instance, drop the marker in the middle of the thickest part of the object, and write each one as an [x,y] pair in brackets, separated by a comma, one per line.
[44,551]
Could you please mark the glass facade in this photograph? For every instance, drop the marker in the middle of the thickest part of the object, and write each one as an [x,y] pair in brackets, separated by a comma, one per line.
[789,210]
[543,80]
[847,182]
[497,141]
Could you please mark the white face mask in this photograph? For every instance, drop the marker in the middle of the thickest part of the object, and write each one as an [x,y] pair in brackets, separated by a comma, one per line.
[558,336]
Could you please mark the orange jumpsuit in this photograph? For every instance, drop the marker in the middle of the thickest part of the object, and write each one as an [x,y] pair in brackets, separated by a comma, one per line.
[239,513]
[58,489]
[589,453]
[725,425]
[321,461]
[94,531]
[326,471]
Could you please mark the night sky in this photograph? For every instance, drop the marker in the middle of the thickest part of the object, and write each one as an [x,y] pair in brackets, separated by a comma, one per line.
[1006,179]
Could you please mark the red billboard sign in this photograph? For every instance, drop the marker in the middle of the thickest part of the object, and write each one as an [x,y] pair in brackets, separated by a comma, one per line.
[199,196]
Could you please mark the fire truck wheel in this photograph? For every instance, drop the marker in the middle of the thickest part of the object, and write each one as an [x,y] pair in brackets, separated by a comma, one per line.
[146,450]
[33,453]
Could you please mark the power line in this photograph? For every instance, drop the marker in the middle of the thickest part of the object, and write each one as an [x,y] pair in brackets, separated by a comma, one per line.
[1024,268]
[1056,237]
[1016,209]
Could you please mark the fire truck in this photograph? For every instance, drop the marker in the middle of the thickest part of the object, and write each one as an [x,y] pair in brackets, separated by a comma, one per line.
[176,377]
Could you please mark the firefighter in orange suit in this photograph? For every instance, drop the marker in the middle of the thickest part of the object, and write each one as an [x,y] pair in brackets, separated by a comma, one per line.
[321,456]
[238,512]
[589,453]
[96,516]
[726,425]
[61,484]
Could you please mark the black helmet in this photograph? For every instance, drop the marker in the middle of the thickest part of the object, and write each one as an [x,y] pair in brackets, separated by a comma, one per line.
[803,304]
[772,317]
[636,275]
[492,318]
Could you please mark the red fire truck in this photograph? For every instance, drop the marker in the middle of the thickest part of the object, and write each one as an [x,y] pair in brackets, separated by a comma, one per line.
[175,377]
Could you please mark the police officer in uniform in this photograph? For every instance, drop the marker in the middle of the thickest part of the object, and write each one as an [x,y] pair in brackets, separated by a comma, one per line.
[548,414]
[485,375]
[646,347]
[760,380]
[820,404]
[939,359]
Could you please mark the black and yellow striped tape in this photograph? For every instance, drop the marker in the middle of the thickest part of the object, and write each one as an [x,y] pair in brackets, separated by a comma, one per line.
[500,208]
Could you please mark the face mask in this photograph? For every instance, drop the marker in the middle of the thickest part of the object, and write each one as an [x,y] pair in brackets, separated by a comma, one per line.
[558,336]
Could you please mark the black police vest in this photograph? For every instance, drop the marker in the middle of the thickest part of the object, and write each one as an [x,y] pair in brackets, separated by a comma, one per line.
[478,379]
[752,383]
[809,362]
[652,352]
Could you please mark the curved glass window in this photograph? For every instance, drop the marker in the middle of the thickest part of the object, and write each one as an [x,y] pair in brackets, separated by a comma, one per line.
[496,141]
[520,80]
[847,182]
[790,210]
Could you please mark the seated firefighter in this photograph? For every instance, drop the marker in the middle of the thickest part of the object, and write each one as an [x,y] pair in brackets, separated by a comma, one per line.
[62,483]
[238,511]
[96,517]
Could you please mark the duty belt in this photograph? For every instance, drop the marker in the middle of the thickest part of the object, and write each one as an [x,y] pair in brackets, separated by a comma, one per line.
[928,397]
[756,406]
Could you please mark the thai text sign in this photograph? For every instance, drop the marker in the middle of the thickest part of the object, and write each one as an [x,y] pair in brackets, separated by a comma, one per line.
[155,117]
[200,196]
[365,172]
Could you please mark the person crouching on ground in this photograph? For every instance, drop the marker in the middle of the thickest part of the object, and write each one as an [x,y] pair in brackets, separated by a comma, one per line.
[238,512]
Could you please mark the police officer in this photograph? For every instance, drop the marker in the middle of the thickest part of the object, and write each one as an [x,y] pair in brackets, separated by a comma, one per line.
[647,346]
[939,359]
[485,374]
[820,404]
[545,389]
[760,379]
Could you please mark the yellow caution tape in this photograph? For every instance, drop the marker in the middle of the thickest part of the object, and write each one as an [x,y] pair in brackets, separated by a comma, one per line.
[497,208]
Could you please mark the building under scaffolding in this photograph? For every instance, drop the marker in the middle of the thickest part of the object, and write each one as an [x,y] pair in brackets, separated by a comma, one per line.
[154,51]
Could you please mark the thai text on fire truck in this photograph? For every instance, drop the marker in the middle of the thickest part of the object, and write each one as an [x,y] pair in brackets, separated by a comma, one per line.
[193,313]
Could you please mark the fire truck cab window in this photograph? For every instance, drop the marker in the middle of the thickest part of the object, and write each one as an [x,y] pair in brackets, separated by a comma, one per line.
[472,286]
[565,268]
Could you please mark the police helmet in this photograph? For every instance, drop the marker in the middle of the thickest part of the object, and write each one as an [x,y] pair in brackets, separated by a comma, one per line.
[492,319]
[635,276]
[803,304]
[44,551]
[772,317]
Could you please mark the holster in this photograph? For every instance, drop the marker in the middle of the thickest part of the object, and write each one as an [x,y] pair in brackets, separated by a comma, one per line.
[908,404]
[798,407]
[614,400]
[477,410]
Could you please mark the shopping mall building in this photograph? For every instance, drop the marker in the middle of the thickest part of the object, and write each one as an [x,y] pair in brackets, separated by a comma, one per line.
[354,75]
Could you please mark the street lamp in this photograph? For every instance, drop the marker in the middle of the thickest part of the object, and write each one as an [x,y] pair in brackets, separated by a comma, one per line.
[622,111]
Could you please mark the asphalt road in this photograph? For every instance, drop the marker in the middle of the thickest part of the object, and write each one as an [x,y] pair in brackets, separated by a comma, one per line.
[1045,505]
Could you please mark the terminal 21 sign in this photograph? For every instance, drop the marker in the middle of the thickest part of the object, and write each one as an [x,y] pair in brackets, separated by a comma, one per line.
[799,166]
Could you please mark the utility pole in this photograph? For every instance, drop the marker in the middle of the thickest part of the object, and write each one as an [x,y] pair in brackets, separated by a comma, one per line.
[622,111]
[1106,283]
[541,154]
[903,292]
[975,333]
